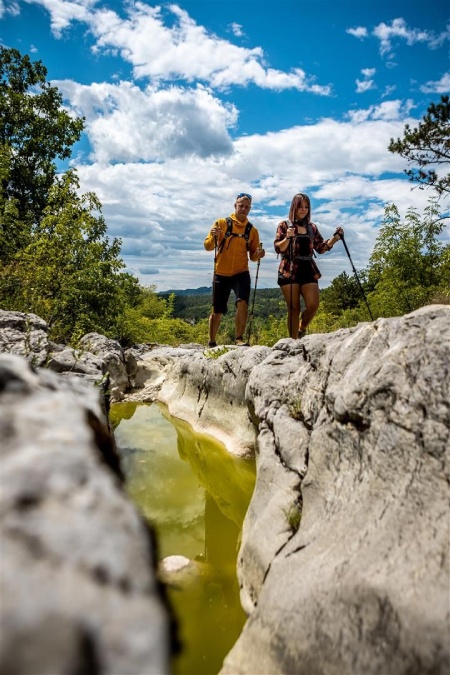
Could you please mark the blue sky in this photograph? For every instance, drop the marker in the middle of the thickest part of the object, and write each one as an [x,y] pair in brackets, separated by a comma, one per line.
[189,103]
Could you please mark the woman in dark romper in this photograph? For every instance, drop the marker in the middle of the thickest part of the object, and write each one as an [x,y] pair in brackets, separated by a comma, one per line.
[296,240]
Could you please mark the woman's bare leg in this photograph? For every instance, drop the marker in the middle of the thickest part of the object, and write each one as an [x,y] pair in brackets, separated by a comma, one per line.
[291,294]
[310,294]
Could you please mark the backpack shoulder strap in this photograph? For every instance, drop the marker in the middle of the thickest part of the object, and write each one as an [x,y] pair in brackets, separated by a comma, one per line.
[229,231]
[248,228]
[312,230]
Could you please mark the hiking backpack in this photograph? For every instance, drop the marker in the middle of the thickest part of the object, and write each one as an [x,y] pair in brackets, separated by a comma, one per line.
[229,233]
[310,228]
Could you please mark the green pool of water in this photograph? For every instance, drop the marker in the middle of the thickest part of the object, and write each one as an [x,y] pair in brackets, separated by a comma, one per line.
[196,495]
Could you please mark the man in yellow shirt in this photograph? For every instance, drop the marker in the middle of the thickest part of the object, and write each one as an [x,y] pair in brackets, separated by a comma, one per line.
[234,240]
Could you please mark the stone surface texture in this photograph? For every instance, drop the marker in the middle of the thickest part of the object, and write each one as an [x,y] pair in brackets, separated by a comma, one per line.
[96,359]
[355,425]
[78,586]
[344,560]
[207,392]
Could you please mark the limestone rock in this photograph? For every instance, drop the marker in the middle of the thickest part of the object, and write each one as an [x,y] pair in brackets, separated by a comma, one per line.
[116,364]
[179,571]
[98,359]
[351,432]
[77,573]
[76,362]
[362,585]
[208,393]
[25,335]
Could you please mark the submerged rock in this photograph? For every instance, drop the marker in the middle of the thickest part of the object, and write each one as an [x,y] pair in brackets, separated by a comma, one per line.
[177,570]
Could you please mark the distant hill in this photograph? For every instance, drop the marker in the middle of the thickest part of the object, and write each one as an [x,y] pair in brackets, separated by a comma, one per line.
[203,290]
[194,304]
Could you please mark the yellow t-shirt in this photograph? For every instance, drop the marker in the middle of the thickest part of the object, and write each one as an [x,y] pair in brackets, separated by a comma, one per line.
[232,257]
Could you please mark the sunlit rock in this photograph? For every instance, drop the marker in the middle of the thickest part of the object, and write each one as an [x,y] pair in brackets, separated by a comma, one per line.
[208,393]
[354,427]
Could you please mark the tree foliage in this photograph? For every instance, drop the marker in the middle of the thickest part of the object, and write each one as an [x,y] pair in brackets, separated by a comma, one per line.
[35,128]
[14,233]
[407,266]
[342,294]
[70,273]
[427,145]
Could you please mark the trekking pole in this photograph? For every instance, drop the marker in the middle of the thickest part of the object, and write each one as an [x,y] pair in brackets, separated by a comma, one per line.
[291,270]
[356,276]
[261,245]
[214,274]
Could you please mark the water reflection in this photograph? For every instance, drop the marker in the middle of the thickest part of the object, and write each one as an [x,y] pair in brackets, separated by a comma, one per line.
[196,495]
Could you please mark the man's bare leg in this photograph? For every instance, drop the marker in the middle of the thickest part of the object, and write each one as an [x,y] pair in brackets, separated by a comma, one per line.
[214,323]
[240,318]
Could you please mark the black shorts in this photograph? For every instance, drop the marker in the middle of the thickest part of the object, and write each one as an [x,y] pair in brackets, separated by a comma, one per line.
[304,275]
[239,283]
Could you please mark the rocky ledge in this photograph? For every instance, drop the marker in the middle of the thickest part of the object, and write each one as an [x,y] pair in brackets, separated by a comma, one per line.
[344,562]
[78,587]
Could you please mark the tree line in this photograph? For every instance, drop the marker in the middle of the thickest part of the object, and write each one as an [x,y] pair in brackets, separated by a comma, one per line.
[58,262]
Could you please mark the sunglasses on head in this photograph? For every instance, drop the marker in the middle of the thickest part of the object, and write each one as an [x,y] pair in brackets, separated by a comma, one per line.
[244,194]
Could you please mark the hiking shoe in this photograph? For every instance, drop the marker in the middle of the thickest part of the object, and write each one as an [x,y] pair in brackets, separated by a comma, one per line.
[212,344]
[301,333]
[240,342]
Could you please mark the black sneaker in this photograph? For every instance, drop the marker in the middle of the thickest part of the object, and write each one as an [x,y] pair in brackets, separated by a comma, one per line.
[212,344]
[301,334]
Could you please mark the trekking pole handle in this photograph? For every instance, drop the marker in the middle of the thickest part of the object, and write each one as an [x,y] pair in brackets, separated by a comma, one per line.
[260,248]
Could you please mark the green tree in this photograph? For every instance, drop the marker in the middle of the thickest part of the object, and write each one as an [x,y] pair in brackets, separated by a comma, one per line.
[36,129]
[70,272]
[427,145]
[407,267]
[14,233]
[343,293]
[138,319]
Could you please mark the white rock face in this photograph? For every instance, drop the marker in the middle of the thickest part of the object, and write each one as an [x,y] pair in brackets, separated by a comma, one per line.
[77,575]
[358,431]
[98,359]
[207,393]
